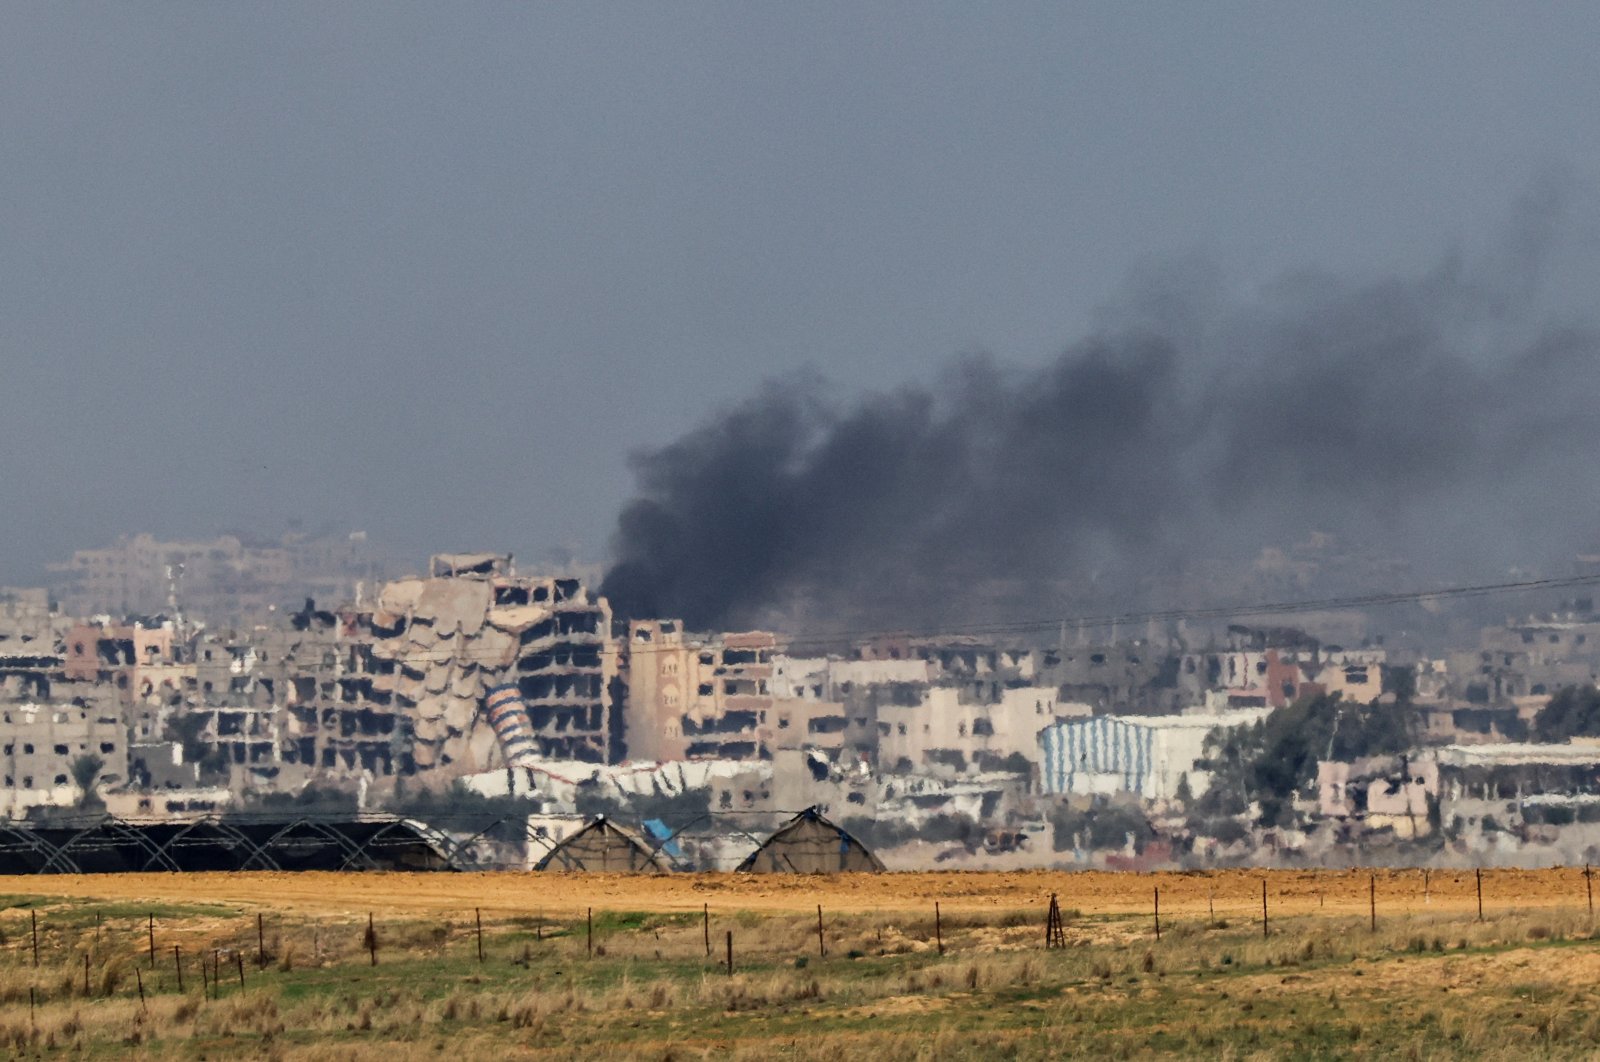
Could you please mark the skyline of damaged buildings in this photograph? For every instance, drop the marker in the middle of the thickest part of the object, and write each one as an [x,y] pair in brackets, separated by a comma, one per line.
[474,676]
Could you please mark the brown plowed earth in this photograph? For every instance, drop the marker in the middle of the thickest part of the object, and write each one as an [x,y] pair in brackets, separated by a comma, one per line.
[1231,893]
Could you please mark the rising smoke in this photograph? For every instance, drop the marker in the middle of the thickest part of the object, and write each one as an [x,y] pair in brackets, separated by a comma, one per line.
[1447,419]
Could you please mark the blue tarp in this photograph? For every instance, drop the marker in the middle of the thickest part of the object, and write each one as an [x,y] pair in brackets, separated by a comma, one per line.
[660,831]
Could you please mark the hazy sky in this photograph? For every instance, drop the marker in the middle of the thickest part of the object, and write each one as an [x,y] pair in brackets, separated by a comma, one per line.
[436,270]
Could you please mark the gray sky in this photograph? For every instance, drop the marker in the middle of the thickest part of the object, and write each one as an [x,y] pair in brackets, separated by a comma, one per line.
[436,270]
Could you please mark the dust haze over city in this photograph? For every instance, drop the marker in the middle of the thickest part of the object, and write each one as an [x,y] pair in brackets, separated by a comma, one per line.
[1081,436]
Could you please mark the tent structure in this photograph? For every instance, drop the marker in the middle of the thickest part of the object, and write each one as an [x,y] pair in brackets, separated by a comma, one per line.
[810,844]
[601,847]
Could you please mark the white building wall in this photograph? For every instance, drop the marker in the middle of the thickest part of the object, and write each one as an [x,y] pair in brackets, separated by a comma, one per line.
[1143,755]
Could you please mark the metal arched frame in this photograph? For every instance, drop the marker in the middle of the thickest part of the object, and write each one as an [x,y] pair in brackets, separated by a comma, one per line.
[709,816]
[254,852]
[109,830]
[458,849]
[437,839]
[28,840]
[384,830]
[343,843]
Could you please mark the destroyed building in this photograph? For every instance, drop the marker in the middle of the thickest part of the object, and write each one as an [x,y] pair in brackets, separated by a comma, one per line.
[46,722]
[30,649]
[402,688]
[698,697]
[40,743]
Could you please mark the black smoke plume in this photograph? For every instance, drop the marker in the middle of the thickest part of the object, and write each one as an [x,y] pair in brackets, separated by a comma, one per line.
[1448,420]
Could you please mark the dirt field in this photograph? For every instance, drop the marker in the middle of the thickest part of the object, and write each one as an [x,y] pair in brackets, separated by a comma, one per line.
[586,967]
[1236,892]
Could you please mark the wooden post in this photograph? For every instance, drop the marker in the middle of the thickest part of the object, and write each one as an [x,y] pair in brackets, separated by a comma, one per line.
[822,945]
[590,938]
[938,928]
[1263,908]
[261,942]
[478,917]
[1372,901]
[1158,912]
[34,918]
[730,953]
[151,929]
[216,973]
[1055,935]
[372,939]
[177,964]
[1479,874]
[1211,903]
[30,1006]
[1588,888]
[205,977]
[1427,886]
[705,923]
[86,973]
[139,977]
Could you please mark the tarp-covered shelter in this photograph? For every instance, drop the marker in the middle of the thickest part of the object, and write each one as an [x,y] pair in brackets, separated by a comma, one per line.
[810,844]
[601,847]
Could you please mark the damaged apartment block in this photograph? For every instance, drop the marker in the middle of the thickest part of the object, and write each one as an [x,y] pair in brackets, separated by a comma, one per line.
[360,695]
[473,628]
[701,697]
[51,728]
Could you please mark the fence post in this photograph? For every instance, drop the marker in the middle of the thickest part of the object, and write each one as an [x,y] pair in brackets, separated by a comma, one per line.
[1588,888]
[1478,873]
[1372,901]
[86,973]
[137,976]
[705,922]
[177,964]
[590,937]
[238,959]
[1158,912]
[730,953]
[372,939]
[822,946]
[477,916]
[1263,908]
[938,928]
[34,919]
